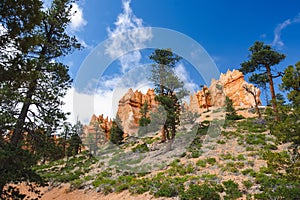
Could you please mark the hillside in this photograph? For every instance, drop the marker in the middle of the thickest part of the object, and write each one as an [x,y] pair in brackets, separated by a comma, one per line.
[225,160]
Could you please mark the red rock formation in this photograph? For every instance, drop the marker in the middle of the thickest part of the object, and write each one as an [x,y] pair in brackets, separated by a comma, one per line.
[129,108]
[231,85]
[104,125]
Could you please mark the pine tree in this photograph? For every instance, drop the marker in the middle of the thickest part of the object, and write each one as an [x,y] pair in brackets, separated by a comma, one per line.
[32,79]
[288,128]
[169,89]
[262,58]
[230,110]
[116,133]
[144,120]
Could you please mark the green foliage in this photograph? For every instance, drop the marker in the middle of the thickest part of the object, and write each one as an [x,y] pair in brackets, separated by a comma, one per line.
[201,163]
[32,77]
[116,133]
[230,110]
[169,89]
[256,139]
[248,184]
[290,83]
[287,129]
[204,192]
[227,156]
[252,126]
[277,187]
[262,58]
[141,148]
[144,120]
[15,166]
[231,190]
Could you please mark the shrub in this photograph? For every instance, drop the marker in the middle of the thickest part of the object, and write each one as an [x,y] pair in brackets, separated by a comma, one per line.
[204,192]
[241,157]
[248,184]
[141,148]
[249,171]
[211,161]
[231,190]
[221,142]
[201,163]
[166,190]
[227,156]
[195,154]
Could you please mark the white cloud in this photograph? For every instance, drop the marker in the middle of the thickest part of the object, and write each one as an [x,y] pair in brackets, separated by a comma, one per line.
[98,103]
[77,20]
[127,35]
[277,32]
[184,76]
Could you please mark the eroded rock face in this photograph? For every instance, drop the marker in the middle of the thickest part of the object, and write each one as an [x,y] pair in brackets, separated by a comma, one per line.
[230,84]
[129,108]
[98,124]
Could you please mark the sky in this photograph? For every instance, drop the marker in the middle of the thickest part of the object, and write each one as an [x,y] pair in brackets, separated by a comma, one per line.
[220,32]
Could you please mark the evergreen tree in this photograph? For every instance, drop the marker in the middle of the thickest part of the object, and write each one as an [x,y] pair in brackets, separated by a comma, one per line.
[64,136]
[116,133]
[145,119]
[75,142]
[230,110]
[35,80]
[169,89]
[288,128]
[32,79]
[262,58]
[291,83]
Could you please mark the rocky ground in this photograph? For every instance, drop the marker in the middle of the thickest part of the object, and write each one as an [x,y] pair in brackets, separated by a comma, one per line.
[227,154]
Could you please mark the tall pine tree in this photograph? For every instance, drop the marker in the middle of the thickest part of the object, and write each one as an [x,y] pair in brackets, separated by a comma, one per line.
[260,63]
[32,79]
[169,89]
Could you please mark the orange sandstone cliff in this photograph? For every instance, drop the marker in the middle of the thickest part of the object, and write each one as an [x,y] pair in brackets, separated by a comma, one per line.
[230,84]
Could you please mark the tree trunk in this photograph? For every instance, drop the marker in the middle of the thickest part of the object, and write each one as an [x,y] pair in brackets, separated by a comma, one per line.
[256,107]
[17,133]
[272,90]
[163,134]
[161,69]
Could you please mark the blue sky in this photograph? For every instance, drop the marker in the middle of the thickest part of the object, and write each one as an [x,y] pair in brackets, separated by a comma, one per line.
[225,29]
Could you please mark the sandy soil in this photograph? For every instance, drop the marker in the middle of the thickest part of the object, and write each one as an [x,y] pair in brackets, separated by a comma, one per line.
[63,193]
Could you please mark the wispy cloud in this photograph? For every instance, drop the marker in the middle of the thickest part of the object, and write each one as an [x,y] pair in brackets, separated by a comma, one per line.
[127,35]
[277,32]
[184,76]
[77,20]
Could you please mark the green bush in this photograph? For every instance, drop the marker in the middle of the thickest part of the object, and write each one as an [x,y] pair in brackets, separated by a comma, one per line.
[227,156]
[241,157]
[211,161]
[166,189]
[249,171]
[141,148]
[201,163]
[256,139]
[231,190]
[195,154]
[221,142]
[248,184]
[203,192]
